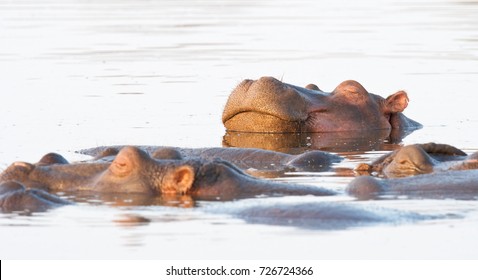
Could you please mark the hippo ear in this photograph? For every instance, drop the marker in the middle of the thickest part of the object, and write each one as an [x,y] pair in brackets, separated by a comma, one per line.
[312,87]
[52,158]
[396,102]
[179,180]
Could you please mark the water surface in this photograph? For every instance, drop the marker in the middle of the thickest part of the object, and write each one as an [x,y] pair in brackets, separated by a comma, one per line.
[78,74]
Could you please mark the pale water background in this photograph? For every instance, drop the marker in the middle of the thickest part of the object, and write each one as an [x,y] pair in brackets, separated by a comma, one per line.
[76,74]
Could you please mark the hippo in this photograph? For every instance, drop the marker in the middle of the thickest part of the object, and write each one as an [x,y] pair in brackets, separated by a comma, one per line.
[452,184]
[133,174]
[269,105]
[319,215]
[432,170]
[14,197]
[420,159]
[135,171]
[255,162]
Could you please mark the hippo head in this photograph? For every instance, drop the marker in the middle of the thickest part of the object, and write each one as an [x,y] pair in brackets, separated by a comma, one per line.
[408,161]
[14,197]
[269,105]
[132,170]
[418,159]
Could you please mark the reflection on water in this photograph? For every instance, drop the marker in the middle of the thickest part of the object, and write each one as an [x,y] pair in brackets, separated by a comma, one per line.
[81,74]
[124,200]
[129,220]
[355,141]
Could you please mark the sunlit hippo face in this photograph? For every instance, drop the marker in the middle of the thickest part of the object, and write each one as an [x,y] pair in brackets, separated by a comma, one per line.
[418,159]
[269,105]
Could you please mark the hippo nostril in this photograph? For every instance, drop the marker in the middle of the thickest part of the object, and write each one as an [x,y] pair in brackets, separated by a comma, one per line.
[246,84]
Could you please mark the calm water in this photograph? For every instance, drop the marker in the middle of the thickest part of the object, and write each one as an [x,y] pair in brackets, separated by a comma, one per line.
[78,74]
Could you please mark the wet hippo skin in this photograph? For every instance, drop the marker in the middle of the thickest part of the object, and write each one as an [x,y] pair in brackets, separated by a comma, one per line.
[14,197]
[420,159]
[432,170]
[459,184]
[321,215]
[269,105]
[134,171]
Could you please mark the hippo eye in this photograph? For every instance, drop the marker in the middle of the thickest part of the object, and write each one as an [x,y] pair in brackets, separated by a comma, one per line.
[353,95]
[406,164]
[358,93]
